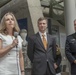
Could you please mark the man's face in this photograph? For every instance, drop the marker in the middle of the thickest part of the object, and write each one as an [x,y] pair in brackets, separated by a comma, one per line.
[75,25]
[42,25]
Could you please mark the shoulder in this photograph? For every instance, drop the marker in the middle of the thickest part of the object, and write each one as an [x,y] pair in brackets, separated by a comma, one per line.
[51,36]
[19,37]
[70,36]
[33,37]
[2,36]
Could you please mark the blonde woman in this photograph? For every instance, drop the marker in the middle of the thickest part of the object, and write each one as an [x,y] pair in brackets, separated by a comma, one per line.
[11,58]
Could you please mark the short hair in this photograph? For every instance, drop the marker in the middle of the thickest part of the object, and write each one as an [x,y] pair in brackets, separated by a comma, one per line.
[3,26]
[42,18]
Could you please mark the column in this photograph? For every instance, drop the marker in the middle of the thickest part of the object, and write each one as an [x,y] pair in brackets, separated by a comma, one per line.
[35,12]
[70,15]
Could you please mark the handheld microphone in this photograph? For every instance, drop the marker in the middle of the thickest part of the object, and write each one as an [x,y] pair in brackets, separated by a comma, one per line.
[15,34]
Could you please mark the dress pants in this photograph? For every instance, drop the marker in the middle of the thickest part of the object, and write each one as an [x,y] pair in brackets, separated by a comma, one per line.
[48,72]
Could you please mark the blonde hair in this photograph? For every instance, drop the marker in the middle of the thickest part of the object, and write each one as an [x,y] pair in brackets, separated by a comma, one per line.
[3,25]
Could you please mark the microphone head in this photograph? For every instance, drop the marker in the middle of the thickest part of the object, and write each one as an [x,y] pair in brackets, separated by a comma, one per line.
[15,34]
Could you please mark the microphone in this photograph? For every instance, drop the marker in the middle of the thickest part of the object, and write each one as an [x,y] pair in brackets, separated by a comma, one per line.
[15,34]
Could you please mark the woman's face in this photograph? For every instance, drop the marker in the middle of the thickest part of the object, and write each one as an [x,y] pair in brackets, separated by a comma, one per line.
[9,22]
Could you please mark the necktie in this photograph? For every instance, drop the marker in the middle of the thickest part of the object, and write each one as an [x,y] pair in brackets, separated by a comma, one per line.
[44,41]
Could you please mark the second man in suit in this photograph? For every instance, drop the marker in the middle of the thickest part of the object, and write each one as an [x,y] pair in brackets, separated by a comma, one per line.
[42,50]
[70,50]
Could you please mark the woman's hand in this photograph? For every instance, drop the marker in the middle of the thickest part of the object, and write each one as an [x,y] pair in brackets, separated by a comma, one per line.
[15,42]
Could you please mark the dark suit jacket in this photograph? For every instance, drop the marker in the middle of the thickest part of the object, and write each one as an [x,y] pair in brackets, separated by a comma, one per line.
[70,51]
[39,56]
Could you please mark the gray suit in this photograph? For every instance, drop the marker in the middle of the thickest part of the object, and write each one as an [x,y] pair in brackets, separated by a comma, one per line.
[39,56]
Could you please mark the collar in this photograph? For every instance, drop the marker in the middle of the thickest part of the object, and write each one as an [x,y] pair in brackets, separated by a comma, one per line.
[42,34]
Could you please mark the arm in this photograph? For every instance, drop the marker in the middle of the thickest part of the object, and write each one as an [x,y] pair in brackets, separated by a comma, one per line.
[5,50]
[68,52]
[54,52]
[54,48]
[30,49]
[21,62]
[58,56]
[58,60]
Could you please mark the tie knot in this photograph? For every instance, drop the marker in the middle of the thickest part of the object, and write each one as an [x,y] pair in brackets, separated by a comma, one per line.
[43,35]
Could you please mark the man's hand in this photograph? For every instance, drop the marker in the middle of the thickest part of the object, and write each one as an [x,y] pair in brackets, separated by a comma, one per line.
[55,66]
[75,61]
[22,73]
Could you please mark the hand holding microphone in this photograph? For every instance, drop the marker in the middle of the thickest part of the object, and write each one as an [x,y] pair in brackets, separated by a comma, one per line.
[15,41]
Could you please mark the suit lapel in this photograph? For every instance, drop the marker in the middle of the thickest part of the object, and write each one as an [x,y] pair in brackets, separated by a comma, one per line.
[40,40]
[48,41]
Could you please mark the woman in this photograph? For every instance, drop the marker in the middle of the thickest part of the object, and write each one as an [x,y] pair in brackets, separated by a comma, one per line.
[11,58]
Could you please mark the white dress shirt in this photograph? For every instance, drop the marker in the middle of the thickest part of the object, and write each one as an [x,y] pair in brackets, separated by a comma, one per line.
[43,34]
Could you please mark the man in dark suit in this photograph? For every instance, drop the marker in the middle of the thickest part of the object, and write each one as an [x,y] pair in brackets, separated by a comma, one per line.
[42,52]
[70,50]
